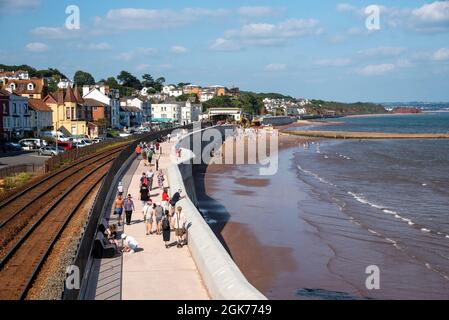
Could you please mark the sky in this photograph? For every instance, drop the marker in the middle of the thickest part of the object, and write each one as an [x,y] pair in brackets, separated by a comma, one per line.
[330,50]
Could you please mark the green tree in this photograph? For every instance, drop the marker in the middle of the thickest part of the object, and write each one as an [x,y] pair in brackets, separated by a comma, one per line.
[148,81]
[128,80]
[52,86]
[82,78]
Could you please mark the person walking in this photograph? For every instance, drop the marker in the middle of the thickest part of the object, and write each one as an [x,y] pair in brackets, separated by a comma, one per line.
[165,199]
[169,137]
[148,217]
[166,228]
[175,198]
[118,208]
[120,189]
[150,176]
[150,156]
[160,179]
[158,214]
[138,151]
[144,194]
[180,226]
[143,180]
[144,156]
[128,205]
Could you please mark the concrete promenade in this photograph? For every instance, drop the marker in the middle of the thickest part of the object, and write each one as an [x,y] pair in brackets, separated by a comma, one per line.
[154,272]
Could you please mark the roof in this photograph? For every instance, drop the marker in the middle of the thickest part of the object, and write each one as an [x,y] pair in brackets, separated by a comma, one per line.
[22,85]
[70,95]
[38,105]
[50,98]
[94,103]
[4,92]
[130,109]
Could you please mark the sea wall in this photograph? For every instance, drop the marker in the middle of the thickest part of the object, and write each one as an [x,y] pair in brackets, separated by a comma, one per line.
[222,277]
[278,121]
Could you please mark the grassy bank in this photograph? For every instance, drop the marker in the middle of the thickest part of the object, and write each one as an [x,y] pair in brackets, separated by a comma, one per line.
[13,182]
[368,135]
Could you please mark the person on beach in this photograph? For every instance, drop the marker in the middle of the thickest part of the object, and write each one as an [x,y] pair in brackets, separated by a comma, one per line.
[128,205]
[180,226]
[160,179]
[118,208]
[150,176]
[166,228]
[129,244]
[144,194]
[148,217]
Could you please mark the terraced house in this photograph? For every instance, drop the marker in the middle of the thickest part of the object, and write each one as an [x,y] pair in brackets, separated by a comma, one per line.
[34,88]
[16,115]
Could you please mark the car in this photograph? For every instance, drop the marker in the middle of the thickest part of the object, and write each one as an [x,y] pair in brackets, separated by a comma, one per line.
[79,144]
[11,146]
[50,151]
[28,144]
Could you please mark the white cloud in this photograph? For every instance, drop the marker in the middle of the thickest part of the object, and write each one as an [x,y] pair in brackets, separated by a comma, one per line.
[222,44]
[145,19]
[345,7]
[437,11]
[137,53]
[376,69]
[275,67]
[178,49]
[265,34]
[37,47]
[441,54]
[382,52]
[340,62]
[99,46]
[55,33]
[18,5]
[257,12]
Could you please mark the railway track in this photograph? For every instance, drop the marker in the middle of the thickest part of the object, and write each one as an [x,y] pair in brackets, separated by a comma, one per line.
[33,220]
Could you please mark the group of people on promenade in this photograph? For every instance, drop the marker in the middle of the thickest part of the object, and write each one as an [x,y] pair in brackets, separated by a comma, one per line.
[160,216]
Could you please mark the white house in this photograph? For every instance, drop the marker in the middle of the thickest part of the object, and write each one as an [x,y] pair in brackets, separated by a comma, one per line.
[172,91]
[139,102]
[16,117]
[41,116]
[63,84]
[106,96]
[190,112]
[14,75]
[180,112]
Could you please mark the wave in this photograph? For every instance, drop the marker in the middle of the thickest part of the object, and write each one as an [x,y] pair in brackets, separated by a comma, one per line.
[316,176]
[396,215]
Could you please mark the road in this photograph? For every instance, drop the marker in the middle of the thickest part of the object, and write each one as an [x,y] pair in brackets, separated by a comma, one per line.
[21,157]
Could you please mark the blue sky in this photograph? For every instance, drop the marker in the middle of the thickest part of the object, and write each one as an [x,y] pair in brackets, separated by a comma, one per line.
[313,49]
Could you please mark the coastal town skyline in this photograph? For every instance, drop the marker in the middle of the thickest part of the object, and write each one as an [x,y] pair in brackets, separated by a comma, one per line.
[301,49]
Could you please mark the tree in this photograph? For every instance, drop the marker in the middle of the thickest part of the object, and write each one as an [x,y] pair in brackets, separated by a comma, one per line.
[82,78]
[182,84]
[148,81]
[112,83]
[159,84]
[128,80]
[52,86]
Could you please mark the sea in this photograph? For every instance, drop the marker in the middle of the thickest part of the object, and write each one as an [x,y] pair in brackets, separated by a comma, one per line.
[341,219]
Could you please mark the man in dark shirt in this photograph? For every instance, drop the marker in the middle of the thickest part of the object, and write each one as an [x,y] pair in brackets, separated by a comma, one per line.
[175,198]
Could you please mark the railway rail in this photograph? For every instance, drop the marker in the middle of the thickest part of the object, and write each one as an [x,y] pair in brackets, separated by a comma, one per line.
[32,221]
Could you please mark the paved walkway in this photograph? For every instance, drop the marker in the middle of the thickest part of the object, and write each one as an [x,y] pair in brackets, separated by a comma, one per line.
[154,272]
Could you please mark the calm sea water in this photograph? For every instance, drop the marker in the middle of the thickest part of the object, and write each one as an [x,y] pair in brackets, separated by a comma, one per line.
[432,122]
[338,206]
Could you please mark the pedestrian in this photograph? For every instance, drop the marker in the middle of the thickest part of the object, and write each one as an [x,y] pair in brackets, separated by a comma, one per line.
[180,226]
[160,179]
[144,194]
[166,228]
[150,156]
[169,137]
[129,244]
[118,208]
[128,205]
[148,217]
[157,146]
[120,189]
[144,156]
[165,199]
[138,151]
[158,214]
[143,180]
[111,234]
[175,198]
[150,176]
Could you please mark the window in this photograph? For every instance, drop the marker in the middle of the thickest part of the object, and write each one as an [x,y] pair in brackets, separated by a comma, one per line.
[4,108]
[12,86]
[30,86]
[67,113]
[14,108]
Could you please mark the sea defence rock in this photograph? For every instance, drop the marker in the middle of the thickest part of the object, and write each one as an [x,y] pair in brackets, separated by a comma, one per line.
[221,275]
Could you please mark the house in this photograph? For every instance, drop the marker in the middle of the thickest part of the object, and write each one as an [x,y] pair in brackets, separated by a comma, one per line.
[142,103]
[14,75]
[41,116]
[63,84]
[30,88]
[16,115]
[70,115]
[104,94]
[101,116]
[180,112]
[191,89]
[130,116]
[172,91]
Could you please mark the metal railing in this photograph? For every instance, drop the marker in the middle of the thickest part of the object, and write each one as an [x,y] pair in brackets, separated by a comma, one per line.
[98,210]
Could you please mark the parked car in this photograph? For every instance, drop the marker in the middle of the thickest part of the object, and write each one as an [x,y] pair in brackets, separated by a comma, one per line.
[50,151]
[11,146]
[32,143]
[79,144]
[66,145]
